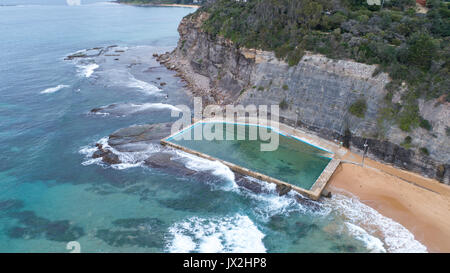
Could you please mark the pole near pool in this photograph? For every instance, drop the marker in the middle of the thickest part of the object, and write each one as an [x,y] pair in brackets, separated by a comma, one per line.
[365,151]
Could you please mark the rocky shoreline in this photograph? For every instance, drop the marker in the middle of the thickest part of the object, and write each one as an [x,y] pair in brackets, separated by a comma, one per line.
[220,73]
[137,138]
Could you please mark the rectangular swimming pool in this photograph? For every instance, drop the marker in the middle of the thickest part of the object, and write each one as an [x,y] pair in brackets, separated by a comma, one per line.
[294,161]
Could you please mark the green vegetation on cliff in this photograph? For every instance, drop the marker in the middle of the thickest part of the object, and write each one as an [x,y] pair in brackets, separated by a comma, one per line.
[137,2]
[412,47]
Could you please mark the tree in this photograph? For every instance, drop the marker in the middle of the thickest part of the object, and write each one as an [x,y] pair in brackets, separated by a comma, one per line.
[421,49]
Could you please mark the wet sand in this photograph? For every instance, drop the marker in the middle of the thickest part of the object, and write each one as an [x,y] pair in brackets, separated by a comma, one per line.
[420,204]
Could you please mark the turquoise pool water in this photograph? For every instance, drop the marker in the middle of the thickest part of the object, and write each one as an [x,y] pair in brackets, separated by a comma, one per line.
[294,161]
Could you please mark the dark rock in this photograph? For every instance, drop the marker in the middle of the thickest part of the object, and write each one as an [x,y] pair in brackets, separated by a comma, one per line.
[312,205]
[326,193]
[98,154]
[111,158]
[283,189]
[140,133]
[253,186]
[163,161]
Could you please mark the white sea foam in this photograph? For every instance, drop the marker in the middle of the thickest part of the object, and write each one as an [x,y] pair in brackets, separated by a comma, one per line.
[237,234]
[269,203]
[217,168]
[54,89]
[372,243]
[153,106]
[123,78]
[127,159]
[131,108]
[396,238]
[142,85]
[87,70]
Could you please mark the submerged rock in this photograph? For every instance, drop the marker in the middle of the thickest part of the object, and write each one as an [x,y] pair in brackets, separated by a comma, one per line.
[142,232]
[10,204]
[32,226]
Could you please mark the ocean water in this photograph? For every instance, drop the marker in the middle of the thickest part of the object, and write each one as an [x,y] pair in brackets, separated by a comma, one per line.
[52,192]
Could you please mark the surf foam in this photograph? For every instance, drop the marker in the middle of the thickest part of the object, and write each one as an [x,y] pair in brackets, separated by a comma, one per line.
[372,243]
[54,89]
[396,238]
[142,85]
[237,234]
[124,109]
[127,159]
[199,164]
[153,106]
[87,70]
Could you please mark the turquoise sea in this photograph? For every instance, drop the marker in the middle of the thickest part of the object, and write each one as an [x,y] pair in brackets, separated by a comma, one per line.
[52,192]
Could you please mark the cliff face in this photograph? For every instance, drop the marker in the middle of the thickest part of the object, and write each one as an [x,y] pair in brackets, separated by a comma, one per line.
[315,94]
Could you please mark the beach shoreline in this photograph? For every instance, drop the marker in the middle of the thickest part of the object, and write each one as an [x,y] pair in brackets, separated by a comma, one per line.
[420,204]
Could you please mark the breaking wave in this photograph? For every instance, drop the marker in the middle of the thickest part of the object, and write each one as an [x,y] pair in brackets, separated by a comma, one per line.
[372,243]
[127,159]
[144,86]
[87,70]
[217,168]
[54,89]
[395,237]
[237,234]
[131,108]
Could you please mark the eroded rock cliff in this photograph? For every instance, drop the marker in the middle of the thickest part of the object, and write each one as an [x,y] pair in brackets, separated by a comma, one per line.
[315,94]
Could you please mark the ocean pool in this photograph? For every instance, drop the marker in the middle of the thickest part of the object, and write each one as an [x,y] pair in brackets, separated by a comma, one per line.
[294,161]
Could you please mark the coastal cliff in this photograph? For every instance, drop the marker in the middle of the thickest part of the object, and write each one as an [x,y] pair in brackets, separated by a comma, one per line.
[316,94]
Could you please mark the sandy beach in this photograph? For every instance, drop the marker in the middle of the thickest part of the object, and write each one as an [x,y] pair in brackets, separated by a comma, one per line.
[420,204]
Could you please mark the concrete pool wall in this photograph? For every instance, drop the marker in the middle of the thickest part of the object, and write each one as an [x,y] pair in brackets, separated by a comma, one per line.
[314,192]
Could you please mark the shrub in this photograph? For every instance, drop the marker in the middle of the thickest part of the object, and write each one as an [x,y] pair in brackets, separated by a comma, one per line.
[421,50]
[284,104]
[407,142]
[261,88]
[285,87]
[424,151]
[425,124]
[358,108]
[408,118]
